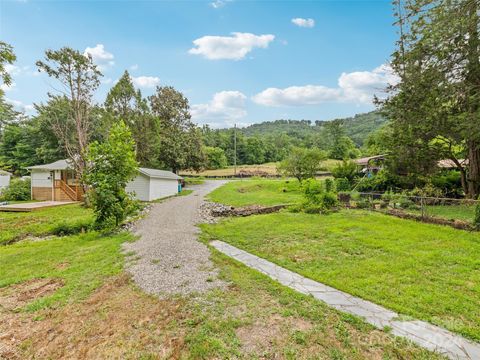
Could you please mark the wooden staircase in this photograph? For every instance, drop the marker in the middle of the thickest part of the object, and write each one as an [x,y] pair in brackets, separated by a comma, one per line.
[74,193]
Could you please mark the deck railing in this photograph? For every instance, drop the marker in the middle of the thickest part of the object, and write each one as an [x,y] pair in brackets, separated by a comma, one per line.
[72,193]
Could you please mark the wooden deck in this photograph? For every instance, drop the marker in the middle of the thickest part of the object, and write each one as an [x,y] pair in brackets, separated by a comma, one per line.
[32,206]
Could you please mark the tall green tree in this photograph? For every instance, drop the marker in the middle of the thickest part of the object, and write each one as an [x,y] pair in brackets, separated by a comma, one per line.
[302,163]
[80,78]
[125,103]
[110,166]
[179,145]
[7,57]
[339,144]
[435,106]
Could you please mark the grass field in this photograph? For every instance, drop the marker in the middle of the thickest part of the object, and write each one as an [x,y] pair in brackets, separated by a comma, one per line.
[262,192]
[97,313]
[80,262]
[18,225]
[267,168]
[425,271]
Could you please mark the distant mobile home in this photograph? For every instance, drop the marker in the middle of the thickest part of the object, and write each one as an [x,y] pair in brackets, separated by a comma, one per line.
[58,181]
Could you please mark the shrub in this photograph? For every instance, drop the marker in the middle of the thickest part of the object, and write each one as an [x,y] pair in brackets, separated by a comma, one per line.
[342,184]
[316,198]
[18,190]
[449,182]
[347,169]
[329,185]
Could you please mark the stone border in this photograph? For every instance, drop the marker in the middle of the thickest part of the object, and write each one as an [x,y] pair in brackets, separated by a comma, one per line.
[430,337]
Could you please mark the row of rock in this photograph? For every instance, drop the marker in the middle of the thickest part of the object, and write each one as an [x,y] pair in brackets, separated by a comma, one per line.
[210,212]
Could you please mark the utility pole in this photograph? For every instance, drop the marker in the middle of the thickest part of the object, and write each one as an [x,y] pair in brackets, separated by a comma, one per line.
[235,150]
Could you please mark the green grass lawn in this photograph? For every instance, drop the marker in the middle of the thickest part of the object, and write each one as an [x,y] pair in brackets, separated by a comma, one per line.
[252,317]
[425,271]
[262,192]
[450,212]
[82,262]
[60,219]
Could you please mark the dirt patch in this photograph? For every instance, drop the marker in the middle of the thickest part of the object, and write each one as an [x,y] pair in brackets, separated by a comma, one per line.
[261,336]
[63,266]
[16,296]
[97,328]
[264,336]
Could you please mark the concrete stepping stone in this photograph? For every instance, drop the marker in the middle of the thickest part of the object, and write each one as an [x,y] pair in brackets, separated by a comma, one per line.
[422,333]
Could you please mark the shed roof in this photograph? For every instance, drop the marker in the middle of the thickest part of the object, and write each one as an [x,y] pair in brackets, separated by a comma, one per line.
[66,164]
[449,164]
[364,161]
[3,172]
[160,174]
[57,165]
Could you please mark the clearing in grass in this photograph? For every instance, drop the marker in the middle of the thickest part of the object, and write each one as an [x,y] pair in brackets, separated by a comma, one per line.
[425,271]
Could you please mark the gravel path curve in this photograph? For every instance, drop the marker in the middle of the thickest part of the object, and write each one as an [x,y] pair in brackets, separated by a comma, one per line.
[167,258]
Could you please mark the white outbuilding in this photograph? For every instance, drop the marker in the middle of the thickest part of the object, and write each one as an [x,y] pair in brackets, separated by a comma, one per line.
[153,184]
[5,177]
[58,181]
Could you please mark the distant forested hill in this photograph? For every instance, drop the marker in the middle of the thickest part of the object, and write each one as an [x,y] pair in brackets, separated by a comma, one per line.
[357,128]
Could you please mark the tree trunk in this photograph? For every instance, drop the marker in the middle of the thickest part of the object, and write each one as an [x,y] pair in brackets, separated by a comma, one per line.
[463,174]
[473,178]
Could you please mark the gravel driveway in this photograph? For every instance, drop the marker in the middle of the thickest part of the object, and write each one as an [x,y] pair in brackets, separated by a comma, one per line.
[168,259]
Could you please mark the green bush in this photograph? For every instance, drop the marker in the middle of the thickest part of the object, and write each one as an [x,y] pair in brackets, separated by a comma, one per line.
[316,198]
[342,185]
[18,190]
[329,185]
[449,182]
[347,169]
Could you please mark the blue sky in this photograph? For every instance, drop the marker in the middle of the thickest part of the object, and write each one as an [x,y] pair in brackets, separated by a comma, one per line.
[237,61]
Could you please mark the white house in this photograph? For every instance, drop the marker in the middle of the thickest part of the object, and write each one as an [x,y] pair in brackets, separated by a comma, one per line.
[4,179]
[58,181]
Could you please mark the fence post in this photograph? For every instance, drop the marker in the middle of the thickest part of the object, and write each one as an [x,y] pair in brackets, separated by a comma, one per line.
[422,204]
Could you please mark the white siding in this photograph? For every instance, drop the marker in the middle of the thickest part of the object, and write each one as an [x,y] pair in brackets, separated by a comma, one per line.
[160,188]
[4,181]
[41,178]
[140,186]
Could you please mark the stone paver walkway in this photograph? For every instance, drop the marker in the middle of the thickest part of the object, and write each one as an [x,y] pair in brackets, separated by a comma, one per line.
[422,333]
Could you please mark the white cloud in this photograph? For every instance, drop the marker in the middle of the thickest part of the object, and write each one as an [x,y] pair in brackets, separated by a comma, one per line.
[134,67]
[106,81]
[356,87]
[12,69]
[307,23]
[297,95]
[233,47]
[217,4]
[225,108]
[362,85]
[100,56]
[145,81]
[20,106]
[5,87]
